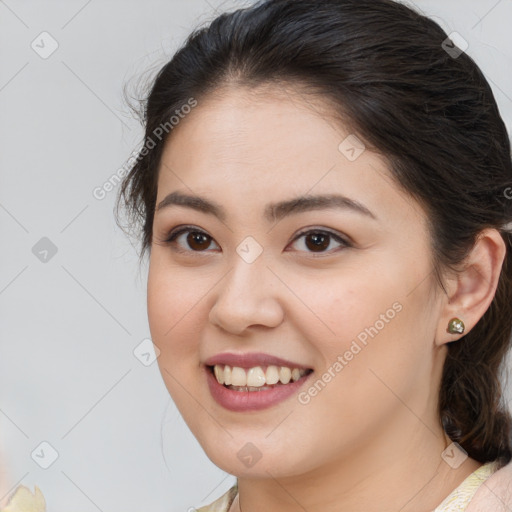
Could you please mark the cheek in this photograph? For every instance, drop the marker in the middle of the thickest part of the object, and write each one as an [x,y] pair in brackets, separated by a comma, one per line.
[365,327]
[174,304]
[336,309]
[363,385]
[172,293]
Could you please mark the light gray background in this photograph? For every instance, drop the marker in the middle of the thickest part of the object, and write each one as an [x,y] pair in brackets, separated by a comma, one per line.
[69,326]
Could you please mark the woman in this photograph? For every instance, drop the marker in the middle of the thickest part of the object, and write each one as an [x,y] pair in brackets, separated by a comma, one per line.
[324,193]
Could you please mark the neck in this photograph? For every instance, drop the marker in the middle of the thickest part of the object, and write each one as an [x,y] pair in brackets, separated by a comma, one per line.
[412,477]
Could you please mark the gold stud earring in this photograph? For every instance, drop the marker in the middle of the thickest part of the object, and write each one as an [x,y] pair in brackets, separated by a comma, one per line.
[455,326]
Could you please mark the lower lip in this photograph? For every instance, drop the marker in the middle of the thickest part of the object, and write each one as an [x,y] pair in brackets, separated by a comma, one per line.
[241,401]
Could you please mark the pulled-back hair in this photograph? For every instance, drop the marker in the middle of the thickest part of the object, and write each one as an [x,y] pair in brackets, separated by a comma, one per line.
[391,78]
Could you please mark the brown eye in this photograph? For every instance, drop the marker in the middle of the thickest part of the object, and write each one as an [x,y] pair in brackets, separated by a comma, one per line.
[316,241]
[198,241]
[188,239]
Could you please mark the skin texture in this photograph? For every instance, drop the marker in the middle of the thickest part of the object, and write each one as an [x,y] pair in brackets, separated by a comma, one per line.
[370,439]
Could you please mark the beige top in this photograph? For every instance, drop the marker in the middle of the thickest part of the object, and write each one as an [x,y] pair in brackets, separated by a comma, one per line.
[456,501]
[459,500]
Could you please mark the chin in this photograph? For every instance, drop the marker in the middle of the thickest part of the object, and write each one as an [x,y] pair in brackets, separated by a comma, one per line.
[242,458]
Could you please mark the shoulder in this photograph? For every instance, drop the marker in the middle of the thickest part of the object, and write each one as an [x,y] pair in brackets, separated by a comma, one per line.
[495,493]
[223,503]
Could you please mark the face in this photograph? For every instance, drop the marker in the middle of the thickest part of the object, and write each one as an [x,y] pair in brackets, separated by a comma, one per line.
[288,262]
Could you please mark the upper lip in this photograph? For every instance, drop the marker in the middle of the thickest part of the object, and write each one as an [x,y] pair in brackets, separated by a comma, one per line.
[251,360]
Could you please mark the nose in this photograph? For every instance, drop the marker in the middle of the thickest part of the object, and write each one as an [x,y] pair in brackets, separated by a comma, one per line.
[247,297]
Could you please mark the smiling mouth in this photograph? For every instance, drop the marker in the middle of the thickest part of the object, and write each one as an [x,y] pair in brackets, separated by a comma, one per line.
[257,378]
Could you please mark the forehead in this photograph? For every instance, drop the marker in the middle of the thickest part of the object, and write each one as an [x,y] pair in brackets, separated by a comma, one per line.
[256,123]
[272,144]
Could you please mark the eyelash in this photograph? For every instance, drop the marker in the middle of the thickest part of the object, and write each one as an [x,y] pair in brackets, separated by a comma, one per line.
[173,235]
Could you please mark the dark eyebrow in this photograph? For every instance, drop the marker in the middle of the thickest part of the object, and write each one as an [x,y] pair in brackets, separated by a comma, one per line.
[273,211]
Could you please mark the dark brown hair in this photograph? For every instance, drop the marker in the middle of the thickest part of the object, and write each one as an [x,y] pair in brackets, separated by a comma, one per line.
[429,111]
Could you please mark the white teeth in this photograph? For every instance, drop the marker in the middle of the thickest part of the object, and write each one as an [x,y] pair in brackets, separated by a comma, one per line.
[238,377]
[295,374]
[219,374]
[271,375]
[256,377]
[285,374]
[227,375]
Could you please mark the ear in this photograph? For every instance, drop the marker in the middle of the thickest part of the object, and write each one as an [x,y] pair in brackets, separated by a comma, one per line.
[470,292]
